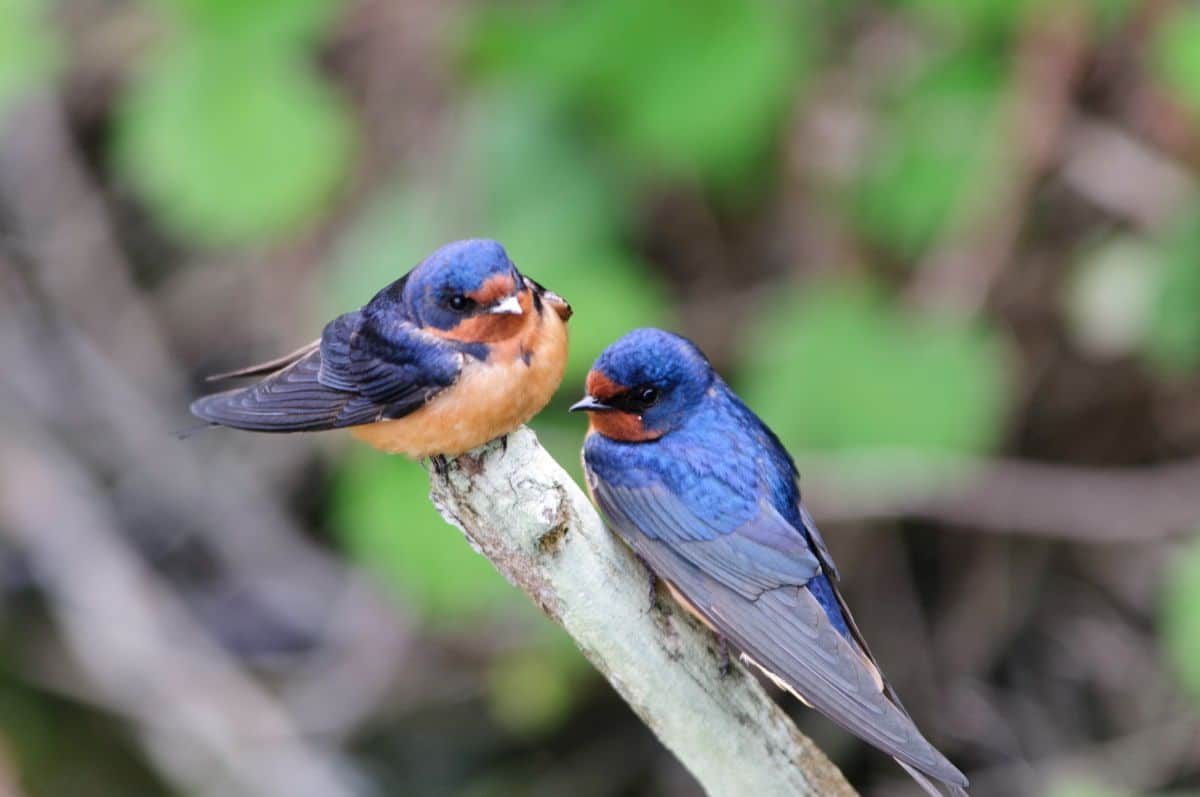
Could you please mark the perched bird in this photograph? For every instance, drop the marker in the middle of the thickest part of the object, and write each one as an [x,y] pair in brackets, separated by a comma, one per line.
[461,350]
[707,497]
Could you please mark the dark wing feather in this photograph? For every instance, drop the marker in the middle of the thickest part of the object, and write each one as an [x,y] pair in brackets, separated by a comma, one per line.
[270,366]
[748,557]
[363,371]
[740,581]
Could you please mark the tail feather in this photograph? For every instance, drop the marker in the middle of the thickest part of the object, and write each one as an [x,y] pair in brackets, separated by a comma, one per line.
[953,789]
[269,366]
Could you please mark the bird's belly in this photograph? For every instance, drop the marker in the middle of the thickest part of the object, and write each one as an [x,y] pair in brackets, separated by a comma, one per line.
[489,400]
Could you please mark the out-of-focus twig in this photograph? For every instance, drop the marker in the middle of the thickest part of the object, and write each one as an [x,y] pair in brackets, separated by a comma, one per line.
[209,727]
[1123,175]
[520,509]
[959,273]
[1055,501]
[86,365]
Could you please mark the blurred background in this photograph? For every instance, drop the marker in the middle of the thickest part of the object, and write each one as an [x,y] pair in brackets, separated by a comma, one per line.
[949,249]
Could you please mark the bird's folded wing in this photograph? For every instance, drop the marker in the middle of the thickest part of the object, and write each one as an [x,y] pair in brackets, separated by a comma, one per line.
[747,581]
[363,371]
[747,556]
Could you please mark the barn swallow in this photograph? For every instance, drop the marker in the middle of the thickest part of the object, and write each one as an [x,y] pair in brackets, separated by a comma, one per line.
[461,350]
[706,496]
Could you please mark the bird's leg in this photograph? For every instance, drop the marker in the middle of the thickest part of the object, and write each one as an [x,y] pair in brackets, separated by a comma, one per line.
[440,465]
[726,665]
[504,444]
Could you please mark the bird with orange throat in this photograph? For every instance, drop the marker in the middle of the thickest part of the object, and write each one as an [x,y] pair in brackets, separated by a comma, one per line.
[461,350]
[707,497]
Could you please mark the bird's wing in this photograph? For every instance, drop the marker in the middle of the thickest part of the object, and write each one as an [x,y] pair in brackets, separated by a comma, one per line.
[362,371]
[270,366]
[746,557]
[747,581]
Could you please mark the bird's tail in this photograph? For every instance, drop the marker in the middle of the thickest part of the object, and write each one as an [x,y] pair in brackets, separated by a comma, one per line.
[953,789]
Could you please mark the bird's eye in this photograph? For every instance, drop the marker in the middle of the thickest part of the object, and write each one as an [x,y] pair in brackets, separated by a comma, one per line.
[458,302]
[647,396]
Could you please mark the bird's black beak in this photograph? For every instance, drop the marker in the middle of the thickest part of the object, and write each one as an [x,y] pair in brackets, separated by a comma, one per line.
[590,404]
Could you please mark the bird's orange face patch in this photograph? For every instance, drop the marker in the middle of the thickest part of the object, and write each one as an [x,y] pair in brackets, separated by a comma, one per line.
[601,388]
[615,424]
[493,290]
[491,327]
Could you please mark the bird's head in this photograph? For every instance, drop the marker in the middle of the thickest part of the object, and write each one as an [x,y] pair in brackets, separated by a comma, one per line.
[468,291]
[645,385]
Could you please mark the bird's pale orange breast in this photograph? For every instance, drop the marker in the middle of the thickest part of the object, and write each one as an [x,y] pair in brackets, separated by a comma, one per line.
[490,398]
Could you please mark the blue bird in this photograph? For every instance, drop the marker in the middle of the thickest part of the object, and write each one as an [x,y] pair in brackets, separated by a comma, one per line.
[707,497]
[461,350]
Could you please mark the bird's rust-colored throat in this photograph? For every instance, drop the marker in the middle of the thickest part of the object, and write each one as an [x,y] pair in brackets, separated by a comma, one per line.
[615,424]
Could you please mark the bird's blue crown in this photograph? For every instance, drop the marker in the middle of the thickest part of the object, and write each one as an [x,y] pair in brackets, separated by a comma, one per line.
[655,357]
[459,269]
[461,266]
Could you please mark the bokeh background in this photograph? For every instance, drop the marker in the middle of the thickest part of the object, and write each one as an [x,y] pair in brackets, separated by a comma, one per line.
[949,249]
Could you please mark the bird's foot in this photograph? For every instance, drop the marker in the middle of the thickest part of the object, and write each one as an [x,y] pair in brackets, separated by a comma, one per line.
[441,465]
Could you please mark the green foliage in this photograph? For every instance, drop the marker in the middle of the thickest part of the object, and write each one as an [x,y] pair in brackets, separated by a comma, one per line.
[1111,14]
[1079,786]
[1174,338]
[1175,53]
[537,190]
[838,368]
[266,22]
[974,18]
[29,50]
[686,88]
[938,152]
[1181,616]
[228,133]
[531,690]
[379,508]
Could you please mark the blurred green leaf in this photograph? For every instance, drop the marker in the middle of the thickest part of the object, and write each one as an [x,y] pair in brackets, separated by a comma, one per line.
[379,508]
[530,691]
[266,22]
[231,143]
[1081,786]
[694,89]
[937,153]
[838,368]
[1175,53]
[29,49]
[534,176]
[974,18]
[1111,14]
[1181,616]
[1174,340]
[533,187]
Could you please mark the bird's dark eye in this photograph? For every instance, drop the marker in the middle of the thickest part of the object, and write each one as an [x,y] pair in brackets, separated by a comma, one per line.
[458,302]
[647,396]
